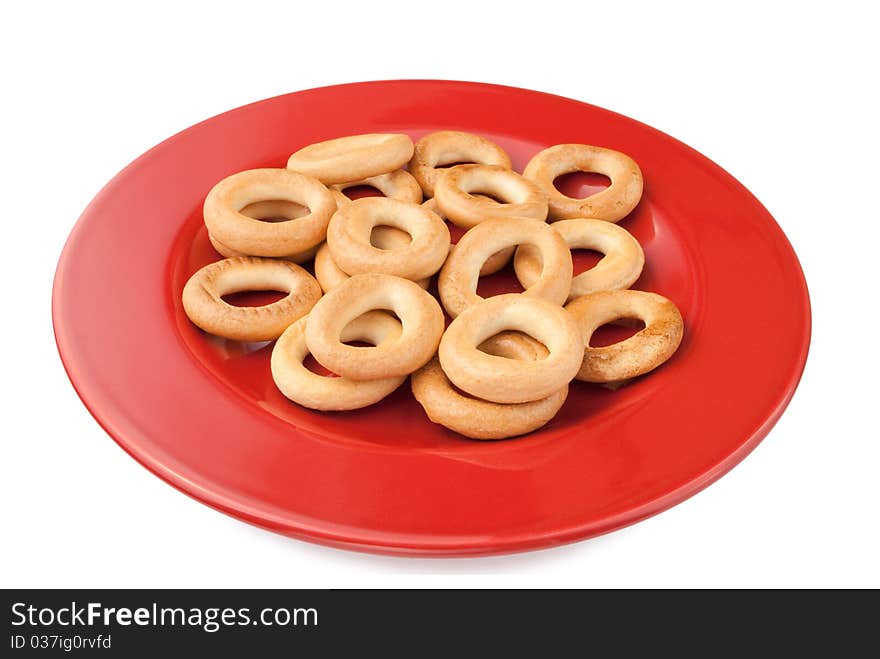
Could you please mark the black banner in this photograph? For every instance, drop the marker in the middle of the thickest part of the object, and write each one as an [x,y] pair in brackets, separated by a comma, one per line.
[266,623]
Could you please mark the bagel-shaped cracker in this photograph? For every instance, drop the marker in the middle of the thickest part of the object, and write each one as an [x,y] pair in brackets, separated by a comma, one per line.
[643,351]
[272,209]
[203,297]
[418,311]
[458,277]
[353,158]
[446,147]
[330,275]
[456,189]
[502,380]
[236,231]
[612,204]
[348,237]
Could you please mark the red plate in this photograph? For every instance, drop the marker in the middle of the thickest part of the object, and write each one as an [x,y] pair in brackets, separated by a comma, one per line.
[204,414]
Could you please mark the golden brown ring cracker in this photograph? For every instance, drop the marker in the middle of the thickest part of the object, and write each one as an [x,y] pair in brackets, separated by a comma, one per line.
[446,147]
[353,158]
[228,225]
[203,297]
[503,380]
[463,194]
[418,311]
[643,351]
[611,205]
[318,392]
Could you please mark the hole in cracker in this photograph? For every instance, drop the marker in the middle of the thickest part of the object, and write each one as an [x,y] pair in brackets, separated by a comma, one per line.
[455,231]
[361,191]
[484,194]
[253,298]
[274,210]
[580,185]
[615,332]
[462,392]
[490,349]
[376,237]
[367,344]
[585,259]
[358,344]
[503,281]
[312,364]
[449,165]
[393,314]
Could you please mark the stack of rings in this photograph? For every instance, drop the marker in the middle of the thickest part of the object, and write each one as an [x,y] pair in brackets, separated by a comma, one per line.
[348,238]
[495,262]
[330,275]
[317,392]
[482,419]
[504,365]
[448,147]
[502,380]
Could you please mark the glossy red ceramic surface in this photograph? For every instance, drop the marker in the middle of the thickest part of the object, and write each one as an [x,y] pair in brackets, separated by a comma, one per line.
[203,413]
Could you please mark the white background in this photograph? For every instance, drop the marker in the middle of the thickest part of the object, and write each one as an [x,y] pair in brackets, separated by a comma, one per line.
[782,98]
